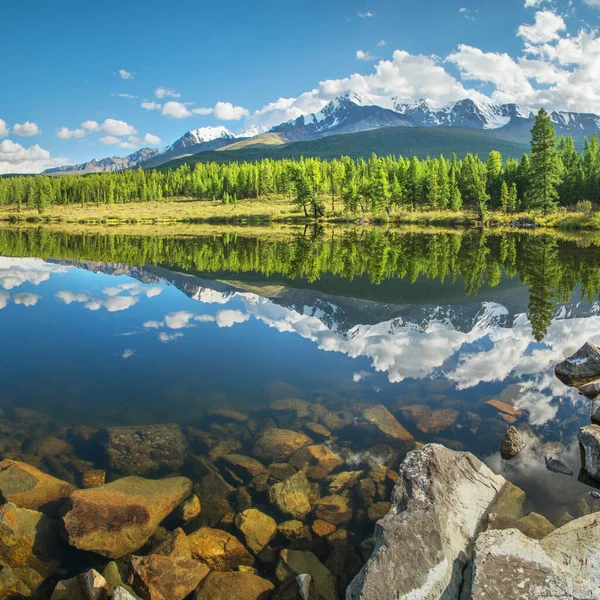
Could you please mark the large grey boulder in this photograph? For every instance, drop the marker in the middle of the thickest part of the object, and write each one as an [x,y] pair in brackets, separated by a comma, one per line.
[423,543]
[580,368]
[589,440]
[564,564]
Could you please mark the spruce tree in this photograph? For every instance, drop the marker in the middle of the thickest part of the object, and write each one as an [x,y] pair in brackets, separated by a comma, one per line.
[545,171]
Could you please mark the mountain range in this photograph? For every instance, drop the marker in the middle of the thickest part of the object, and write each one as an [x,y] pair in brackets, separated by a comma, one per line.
[351,114]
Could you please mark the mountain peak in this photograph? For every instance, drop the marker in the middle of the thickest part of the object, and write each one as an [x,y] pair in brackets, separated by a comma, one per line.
[207,134]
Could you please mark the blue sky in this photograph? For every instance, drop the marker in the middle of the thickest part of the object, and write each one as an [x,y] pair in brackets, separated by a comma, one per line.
[236,64]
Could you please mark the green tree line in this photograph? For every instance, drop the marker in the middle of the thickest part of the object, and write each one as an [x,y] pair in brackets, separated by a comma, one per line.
[553,174]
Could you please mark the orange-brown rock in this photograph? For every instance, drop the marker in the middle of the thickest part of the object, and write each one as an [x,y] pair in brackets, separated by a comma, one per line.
[322,528]
[218,549]
[505,408]
[386,423]
[437,421]
[316,461]
[91,479]
[277,445]
[334,509]
[118,518]
[28,487]
[158,577]
[230,586]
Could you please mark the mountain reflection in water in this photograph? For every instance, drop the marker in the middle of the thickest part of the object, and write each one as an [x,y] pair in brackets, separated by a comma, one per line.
[131,329]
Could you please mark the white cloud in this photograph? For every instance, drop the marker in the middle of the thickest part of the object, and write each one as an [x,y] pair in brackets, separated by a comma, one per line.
[123,74]
[151,105]
[153,324]
[65,133]
[366,15]
[4,130]
[203,111]
[14,272]
[130,96]
[128,352]
[382,43]
[90,126]
[225,111]
[533,3]
[151,139]
[168,337]
[4,299]
[545,29]
[229,318]
[26,299]
[178,320]
[110,140]
[116,127]
[15,158]
[70,297]
[364,56]
[26,129]
[176,110]
[594,3]
[360,375]
[162,92]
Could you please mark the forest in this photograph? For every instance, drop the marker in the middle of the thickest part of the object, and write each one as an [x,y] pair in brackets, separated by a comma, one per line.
[554,174]
[477,259]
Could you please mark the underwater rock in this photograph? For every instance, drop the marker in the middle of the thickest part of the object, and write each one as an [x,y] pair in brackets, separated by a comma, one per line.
[244,467]
[94,478]
[87,586]
[317,431]
[556,465]
[300,407]
[437,421]
[29,539]
[378,510]
[171,543]
[505,408]
[118,518]
[295,562]
[158,577]
[280,471]
[437,506]
[386,423]
[589,440]
[218,549]
[334,509]
[227,586]
[277,445]
[121,593]
[11,586]
[344,480]
[316,461]
[53,446]
[189,509]
[322,528]
[146,450]
[596,417]
[534,525]
[511,502]
[292,496]
[564,564]
[512,443]
[301,587]
[257,528]
[580,368]
[292,530]
[227,414]
[28,487]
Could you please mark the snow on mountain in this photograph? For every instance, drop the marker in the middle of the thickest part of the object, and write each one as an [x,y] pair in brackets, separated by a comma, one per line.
[252,131]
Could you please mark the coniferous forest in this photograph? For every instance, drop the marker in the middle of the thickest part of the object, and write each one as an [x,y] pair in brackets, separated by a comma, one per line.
[552,175]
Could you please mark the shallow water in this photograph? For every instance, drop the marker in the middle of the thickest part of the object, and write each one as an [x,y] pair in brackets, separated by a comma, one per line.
[105,329]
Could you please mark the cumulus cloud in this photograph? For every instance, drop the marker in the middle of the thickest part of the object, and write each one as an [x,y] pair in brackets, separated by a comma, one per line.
[128,352]
[26,129]
[26,299]
[545,29]
[4,130]
[116,127]
[15,158]
[162,92]
[364,56]
[151,139]
[178,320]
[169,337]
[153,324]
[366,15]
[123,74]
[203,111]
[225,111]
[90,126]
[534,3]
[64,133]
[4,299]
[151,105]
[176,110]
[69,297]
[229,318]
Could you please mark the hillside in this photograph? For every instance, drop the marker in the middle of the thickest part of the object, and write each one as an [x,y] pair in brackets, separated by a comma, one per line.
[404,141]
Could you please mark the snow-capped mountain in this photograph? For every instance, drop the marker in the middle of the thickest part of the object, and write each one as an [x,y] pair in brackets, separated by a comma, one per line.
[348,113]
[104,165]
[252,131]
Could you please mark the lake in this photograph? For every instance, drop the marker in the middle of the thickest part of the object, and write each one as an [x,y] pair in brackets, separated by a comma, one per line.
[104,329]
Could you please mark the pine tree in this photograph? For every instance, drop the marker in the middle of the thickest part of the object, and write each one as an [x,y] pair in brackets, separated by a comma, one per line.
[504,197]
[544,174]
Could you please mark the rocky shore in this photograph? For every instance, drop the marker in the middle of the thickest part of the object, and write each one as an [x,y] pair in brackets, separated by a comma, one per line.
[301,501]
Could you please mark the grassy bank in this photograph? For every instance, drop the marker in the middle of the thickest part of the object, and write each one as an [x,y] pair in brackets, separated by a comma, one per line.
[281,210]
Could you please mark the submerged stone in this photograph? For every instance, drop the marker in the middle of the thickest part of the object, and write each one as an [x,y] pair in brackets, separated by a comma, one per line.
[317,431]
[343,481]
[257,528]
[295,562]
[334,509]
[556,465]
[218,549]
[438,421]
[227,586]
[292,496]
[118,518]
[157,577]
[28,487]
[316,461]
[11,586]
[146,450]
[87,586]
[589,440]
[277,445]
[386,423]
[244,466]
